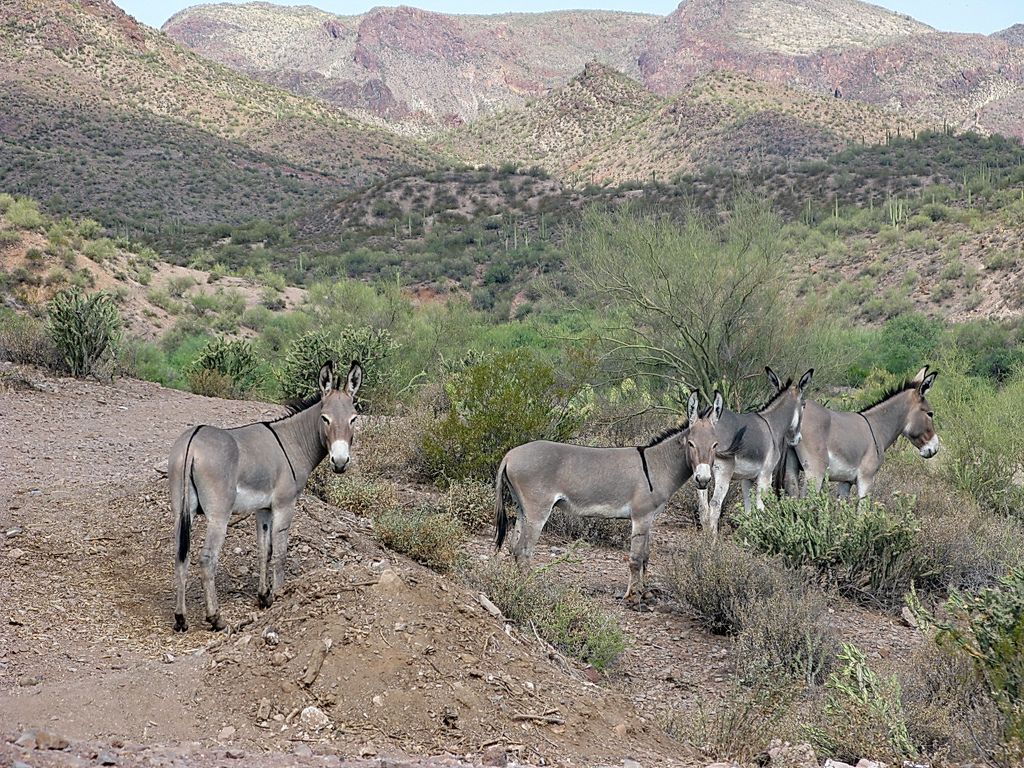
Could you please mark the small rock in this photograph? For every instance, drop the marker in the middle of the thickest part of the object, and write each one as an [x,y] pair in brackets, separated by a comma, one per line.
[865,763]
[314,718]
[235,753]
[47,740]
[630,763]
[389,583]
[908,617]
[270,637]
[302,750]
[830,763]
[494,755]
[620,730]
[782,754]
[490,607]
[168,658]
[19,764]
[591,674]
[378,701]
[15,553]
[27,740]
[263,710]
[225,733]
[721,765]
[106,758]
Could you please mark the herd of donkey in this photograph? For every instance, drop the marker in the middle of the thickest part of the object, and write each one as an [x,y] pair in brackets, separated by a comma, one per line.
[261,469]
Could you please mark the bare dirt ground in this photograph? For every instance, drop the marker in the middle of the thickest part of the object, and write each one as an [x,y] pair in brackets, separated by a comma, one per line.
[396,659]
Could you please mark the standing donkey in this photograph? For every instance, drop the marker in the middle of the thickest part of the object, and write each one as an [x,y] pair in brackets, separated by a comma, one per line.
[850,447]
[625,483]
[259,468]
[764,437]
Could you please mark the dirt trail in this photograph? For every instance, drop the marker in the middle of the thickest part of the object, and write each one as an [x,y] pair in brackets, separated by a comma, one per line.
[415,664]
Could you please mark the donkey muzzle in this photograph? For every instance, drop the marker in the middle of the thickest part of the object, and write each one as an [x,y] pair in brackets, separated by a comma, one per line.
[339,455]
[930,448]
[702,476]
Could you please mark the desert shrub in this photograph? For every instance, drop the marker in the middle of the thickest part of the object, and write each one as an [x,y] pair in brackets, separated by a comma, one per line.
[26,341]
[606,532]
[471,502]
[981,428]
[948,709]
[225,368]
[781,625]
[739,727]
[870,553]
[988,628]
[85,329]
[356,493]
[494,406]
[862,714]
[908,341]
[371,347]
[560,614]
[390,446]
[23,213]
[430,537]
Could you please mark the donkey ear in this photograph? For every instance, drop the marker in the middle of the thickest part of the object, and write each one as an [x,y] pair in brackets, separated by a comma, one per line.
[355,379]
[927,383]
[327,378]
[805,380]
[693,407]
[919,377]
[716,408]
[773,379]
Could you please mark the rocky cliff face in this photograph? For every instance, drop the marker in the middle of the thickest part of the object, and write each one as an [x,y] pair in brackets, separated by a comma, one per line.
[411,66]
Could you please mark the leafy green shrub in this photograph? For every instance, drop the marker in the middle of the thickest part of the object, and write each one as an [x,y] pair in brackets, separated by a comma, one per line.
[560,614]
[85,329]
[226,368]
[862,714]
[26,341]
[371,347]
[494,406]
[908,341]
[781,625]
[23,213]
[870,554]
[432,538]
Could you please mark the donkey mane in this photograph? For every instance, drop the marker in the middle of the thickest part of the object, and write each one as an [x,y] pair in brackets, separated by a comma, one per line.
[890,393]
[298,405]
[665,434]
[779,393]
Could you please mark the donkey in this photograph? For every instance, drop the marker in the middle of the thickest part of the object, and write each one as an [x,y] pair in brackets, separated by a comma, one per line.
[633,483]
[259,468]
[850,447]
[764,435]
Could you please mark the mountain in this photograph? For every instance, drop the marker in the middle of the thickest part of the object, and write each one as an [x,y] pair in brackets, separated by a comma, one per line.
[410,66]
[108,117]
[603,126]
[402,63]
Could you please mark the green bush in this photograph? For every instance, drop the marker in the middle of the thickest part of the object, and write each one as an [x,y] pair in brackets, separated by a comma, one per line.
[560,614]
[434,539]
[471,502]
[862,714]
[371,347]
[225,368]
[85,329]
[494,406]
[870,554]
[908,341]
[354,493]
[23,213]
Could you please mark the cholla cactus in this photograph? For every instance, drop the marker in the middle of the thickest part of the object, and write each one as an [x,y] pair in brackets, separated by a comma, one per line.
[84,328]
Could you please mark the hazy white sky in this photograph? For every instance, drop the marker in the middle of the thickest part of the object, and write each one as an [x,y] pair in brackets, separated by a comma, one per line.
[985,16]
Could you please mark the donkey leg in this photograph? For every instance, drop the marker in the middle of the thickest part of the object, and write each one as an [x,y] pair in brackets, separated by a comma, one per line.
[705,508]
[639,551]
[764,485]
[216,531]
[282,523]
[843,490]
[533,520]
[263,549]
[745,486]
[723,476]
[182,533]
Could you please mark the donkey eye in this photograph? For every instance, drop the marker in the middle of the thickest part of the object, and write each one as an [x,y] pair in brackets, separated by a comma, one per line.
[931,414]
[352,420]
[326,419]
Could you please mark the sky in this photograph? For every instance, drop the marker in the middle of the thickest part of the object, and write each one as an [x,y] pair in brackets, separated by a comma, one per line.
[984,16]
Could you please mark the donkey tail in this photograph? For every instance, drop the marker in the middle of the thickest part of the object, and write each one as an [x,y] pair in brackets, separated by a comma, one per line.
[500,514]
[184,521]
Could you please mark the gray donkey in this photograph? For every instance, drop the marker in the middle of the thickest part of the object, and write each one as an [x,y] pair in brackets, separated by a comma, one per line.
[260,468]
[764,436]
[850,447]
[626,483]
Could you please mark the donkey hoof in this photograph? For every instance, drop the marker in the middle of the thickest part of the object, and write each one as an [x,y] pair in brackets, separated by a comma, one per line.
[180,625]
[265,599]
[216,623]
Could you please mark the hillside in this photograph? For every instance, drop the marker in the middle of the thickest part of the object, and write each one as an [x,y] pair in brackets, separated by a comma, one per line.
[104,116]
[404,63]
[418,68]
[605,127]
